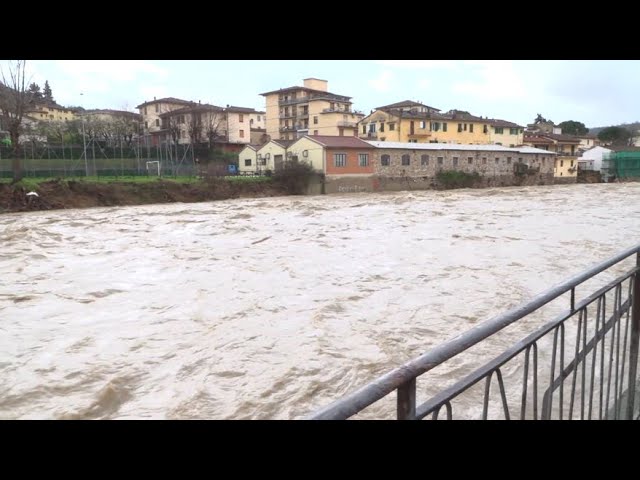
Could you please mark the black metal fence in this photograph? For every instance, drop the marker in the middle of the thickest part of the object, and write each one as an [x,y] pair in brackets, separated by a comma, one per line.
[583,364]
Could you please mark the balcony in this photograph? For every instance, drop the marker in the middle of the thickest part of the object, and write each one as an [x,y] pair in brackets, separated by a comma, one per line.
[420,133]
[372,136]
[335,110]
[347,124]
[293,101]
[289,128]
[303,115]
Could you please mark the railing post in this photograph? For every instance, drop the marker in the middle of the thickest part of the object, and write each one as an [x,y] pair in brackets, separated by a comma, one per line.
[635,337]
[407,400]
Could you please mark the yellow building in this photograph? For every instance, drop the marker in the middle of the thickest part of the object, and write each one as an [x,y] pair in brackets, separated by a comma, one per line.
[50,111]
[566,147]
[272,154]
[505,133]
[297,111]
[414,122]
[247,160]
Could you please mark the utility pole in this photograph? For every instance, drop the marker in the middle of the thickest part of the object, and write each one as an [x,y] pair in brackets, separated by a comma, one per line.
[84,140]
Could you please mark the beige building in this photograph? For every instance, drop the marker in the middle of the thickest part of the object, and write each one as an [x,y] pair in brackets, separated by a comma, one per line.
[309,110]
[414,122]
[151,111]
[240,121]
[193,124]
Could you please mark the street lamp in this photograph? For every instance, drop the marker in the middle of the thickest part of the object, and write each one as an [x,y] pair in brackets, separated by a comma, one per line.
[84,140]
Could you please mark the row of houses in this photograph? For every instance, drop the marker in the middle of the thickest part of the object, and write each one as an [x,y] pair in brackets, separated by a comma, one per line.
[353,164]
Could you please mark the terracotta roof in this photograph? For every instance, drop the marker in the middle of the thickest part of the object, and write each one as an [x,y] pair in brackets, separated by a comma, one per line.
[231,108]
[405,103]
[283,143]
[333,141]
[496,122]
[193,107]
[561,138]
[166,100]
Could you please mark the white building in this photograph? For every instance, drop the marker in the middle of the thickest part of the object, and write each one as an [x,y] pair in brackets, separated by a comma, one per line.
[592,159]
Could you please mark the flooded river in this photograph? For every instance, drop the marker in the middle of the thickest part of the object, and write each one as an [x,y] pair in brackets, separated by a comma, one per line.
[271,308]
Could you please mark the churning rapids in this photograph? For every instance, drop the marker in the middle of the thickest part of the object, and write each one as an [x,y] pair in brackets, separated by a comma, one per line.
[272,308]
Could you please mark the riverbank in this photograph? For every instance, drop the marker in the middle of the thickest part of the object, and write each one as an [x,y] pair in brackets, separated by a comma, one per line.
[64,194]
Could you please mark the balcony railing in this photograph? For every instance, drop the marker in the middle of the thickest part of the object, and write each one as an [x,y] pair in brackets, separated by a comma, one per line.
[347,124]
[591,371]
[293,101]
[336,110]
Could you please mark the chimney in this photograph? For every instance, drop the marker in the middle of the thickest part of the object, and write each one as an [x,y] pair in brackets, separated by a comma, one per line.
[154,99]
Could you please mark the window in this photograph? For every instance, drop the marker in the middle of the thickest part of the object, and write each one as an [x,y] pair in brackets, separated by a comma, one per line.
[258,117]
[247,162]
[423,124]
[392,127]
[520,159]
[384,160]
[561,163]
[497,159]
[241,118]
[363,159]
[157,122]
[455,161]
[509,160]
[544,160]
[470,160]
[241,133]
[440,160]
[572,163]
[315,132]
[465,127]
[459,127]
[406,160]
[413,141]
[513,131]
[485,129]
[424,160]
[484,160]
[471,128]
[499,130]
[146,124]
[382,127]
[444,127]
[145,110]
[435,126]
[340,159]
[315,122]
[364,128]
[372,128]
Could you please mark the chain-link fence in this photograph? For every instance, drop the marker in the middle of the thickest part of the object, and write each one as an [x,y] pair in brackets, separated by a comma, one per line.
[46,160]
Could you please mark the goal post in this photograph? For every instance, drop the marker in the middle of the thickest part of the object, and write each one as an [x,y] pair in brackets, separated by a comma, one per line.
[153,167]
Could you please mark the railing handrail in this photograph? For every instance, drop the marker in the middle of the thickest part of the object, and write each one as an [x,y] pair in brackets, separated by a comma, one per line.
[387,383]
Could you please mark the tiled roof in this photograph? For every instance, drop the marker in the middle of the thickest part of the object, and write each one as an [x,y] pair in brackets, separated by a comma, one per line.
[165,100]
[405,103]
[496,122]
[333,141]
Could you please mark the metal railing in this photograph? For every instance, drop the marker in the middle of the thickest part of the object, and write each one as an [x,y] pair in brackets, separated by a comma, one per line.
[584,380]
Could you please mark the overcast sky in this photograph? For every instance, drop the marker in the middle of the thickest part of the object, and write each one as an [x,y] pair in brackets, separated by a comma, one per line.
[597,93]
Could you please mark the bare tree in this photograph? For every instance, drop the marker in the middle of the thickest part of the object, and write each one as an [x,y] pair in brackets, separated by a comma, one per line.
[194,127]
[215,127]
[15,99]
